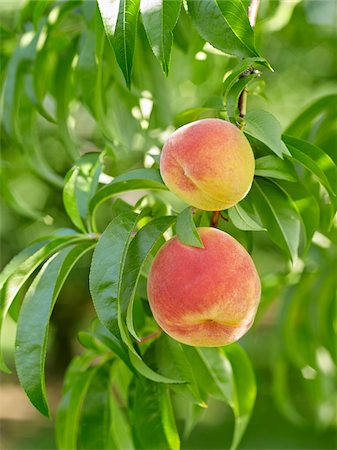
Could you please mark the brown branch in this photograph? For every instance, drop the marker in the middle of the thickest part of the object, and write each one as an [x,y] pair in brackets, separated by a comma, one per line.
[252,15]
[242,102]
[215,219]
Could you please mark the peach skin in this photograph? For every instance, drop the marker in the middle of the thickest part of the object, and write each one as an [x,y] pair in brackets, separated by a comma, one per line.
[209,164]
[204,297]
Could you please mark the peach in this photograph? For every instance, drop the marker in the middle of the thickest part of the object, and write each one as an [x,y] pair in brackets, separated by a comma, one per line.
[209,164]
[207,296]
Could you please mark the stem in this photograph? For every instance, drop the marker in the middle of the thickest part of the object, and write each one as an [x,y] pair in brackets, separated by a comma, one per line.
[242,102]
[252,15]
[150,336]
[215,219]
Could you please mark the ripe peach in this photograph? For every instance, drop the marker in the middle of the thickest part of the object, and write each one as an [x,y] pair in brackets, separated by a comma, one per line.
[207,296]
[209,164]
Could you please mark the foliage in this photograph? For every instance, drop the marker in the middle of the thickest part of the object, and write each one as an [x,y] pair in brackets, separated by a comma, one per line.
[83,80]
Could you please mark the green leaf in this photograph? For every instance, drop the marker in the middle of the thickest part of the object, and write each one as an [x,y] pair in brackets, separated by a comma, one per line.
[113,342]
[107,267]
[120,22]
[305,119]
[214,28]
[153,418]
[271,166]
[24,52]
[120,427]
[236,17]
[243,389]
[20,269]
[227,375]
[159,19]
[33,324]
[139,250]
[173,363]
[242,219]
[108,264]
[278,215]
[233,95]
[96,417]
[267,129]
[186,230]
[211,370]
[244,66]
[69,198]
[150,374]
[133,180]
[306,207]
[63,88]
[80,186]
[316,161]
[77,381]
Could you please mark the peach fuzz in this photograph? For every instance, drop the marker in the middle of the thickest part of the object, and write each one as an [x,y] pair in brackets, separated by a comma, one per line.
[209,164]
[204,297]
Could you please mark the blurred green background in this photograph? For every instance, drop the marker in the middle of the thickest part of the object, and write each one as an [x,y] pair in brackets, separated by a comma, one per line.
[295,369]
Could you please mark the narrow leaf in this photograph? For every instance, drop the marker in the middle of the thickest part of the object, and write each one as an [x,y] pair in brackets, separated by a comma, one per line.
[211,370]
[186,230]
[267,129]
[21,269]
[107,267]
[246,64]
[278,215]
[33,324]
[152,417]
[242,219]
[159,19]
[80,186]
[244,389]
[271,166]
[94,432]
[233,95]
[213,27]
[316,161]
[133,180]
[69,198]
[108,264]
[236,17]
[78,378]
[138,252]
[120,22]
[306,206]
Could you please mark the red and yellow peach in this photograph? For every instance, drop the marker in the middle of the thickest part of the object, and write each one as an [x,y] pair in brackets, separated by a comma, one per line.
[209,164]
[204,296]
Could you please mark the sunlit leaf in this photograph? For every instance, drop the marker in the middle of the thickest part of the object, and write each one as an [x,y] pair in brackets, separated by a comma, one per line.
[120,23]
[159,19]
[213,27]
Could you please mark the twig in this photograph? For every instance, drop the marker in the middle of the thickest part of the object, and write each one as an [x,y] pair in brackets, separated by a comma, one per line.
[215,219]
[252,15]
[242,102]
